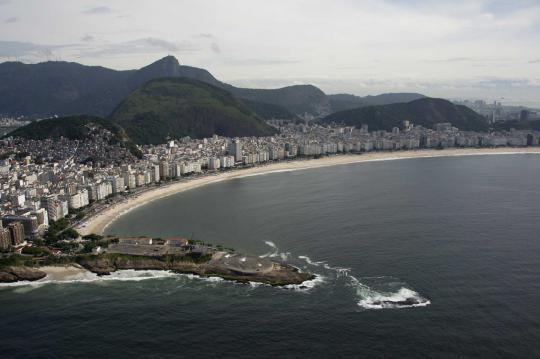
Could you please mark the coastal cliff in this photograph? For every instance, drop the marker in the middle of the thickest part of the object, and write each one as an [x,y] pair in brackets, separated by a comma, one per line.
[275,274]
[272,273]
[176,254]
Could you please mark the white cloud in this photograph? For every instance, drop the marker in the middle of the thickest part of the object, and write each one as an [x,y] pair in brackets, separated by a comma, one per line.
[11,20]
[215,48]
[428,41]
[97,10]
[88,38]
[149,45]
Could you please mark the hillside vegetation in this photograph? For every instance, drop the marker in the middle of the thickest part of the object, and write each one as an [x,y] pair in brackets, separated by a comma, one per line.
[342,102]
[68,88]
[425,112]
[269,111]
[176,107]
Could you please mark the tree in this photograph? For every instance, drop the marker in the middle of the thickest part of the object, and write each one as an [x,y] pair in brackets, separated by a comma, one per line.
[92,237]
[35,251]
[70,233]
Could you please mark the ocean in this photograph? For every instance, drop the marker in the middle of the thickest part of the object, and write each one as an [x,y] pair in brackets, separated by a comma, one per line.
[461,235]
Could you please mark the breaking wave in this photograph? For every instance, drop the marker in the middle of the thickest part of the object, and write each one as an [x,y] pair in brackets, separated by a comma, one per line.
[284,256]
[403,298]
[128,275]
[388,299]
[273,252]
[310,262]
[307,285]
[381,293]
[340,271]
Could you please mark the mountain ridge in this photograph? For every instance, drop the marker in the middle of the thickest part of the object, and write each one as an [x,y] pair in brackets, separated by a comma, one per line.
[342,102]
[69,88]
[425,112]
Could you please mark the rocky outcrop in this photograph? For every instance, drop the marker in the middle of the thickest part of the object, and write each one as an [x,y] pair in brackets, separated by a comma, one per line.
[279,274]
[15,274]
[228,266]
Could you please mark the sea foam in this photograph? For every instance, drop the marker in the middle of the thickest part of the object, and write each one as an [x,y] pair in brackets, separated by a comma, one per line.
[306,285]
[379,299]
[273,252]
[128,275]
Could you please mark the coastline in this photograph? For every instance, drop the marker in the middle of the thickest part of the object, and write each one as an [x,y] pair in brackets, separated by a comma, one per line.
[100,221]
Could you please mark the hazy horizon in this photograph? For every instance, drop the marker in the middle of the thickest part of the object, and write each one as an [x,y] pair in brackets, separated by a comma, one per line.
[478,49]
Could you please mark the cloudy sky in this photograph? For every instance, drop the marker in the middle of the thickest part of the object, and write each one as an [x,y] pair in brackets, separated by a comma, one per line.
[461,48]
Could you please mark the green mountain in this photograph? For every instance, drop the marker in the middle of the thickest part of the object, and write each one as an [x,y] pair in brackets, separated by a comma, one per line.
[176,107]
[342,102]
[75,128]
[68,88]
[298,99]
[269,111]
[425,112]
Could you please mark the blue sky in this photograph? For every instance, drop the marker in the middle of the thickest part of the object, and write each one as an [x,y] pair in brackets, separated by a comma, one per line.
[477,48]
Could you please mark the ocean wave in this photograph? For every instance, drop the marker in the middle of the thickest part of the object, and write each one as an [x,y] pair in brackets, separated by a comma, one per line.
[201,278]
[403,298]
[341,271]
[132,275]
[75,278]
[387,299]
[247,175]
[310,262]
[128,275]
[284,256]
[306,285]
[273,252]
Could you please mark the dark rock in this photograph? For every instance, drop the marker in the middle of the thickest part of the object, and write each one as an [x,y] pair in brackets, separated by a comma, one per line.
[13,274]
[7,278]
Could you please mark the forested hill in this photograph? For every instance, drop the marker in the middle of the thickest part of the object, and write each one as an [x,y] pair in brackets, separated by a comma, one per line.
[176,107]
[425,112]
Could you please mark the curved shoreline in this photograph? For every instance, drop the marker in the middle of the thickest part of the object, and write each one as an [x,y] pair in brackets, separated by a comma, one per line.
[99,222]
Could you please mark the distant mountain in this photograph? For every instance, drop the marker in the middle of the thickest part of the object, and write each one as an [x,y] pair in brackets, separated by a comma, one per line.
[341,102]
[170,67]
[390,98]
[268,111]
[61,88]
[424,111]
[75,128]
[298,99]
[177,107]
[67,88]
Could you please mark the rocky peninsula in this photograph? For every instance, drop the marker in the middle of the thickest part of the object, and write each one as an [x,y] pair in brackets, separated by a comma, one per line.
[174,254]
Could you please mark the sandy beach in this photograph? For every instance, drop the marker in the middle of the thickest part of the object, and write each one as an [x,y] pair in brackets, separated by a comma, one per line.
[98,223]
[62,273]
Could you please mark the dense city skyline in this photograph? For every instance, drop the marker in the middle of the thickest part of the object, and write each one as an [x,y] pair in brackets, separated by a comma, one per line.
[474,49]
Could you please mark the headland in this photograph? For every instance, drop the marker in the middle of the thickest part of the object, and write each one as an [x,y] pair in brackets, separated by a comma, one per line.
[176,254]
